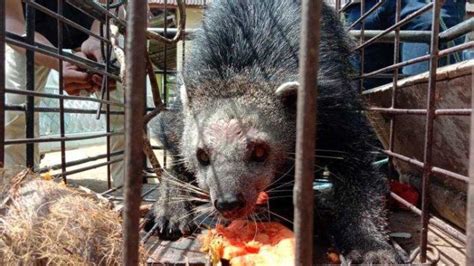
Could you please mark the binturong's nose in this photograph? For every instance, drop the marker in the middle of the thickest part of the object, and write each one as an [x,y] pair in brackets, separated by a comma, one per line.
[229,203]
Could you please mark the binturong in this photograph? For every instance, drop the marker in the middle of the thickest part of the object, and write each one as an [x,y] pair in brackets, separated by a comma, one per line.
[232,130]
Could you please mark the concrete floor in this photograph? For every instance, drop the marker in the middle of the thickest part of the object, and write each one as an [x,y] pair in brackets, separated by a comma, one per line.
[95,179]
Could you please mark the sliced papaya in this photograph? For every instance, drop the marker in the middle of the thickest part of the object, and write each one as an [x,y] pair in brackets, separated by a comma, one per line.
[245,243]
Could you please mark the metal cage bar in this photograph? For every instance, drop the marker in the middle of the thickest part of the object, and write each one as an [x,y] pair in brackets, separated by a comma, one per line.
[63,20]
[441,53]
[68,97]
[394,26]
[62,126]
[165,74]
[29,109]
[470,199]
[135,104]
[105,86]
[306,131]
[435,38]
[430,116]
[30,84]
[361,41]
[2,83]
[396,58]
[41,48]
[96,11]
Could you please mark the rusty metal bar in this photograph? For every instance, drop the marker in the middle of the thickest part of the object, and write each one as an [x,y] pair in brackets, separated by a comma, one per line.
[432,220]
[100,13]
[182,21]
[306,131]
[59,16]
[414,36]
[106,57]
[89,65]
[39,109]
[62,127]
[337,7]
[143,195]
[2,83]
[345,6]
[30,84]
[362,49]
[96,11]
[422,58]
[135,102]
[430,116]
[165,73]
[107,192]
[457,30]
[438,112]
[57,139]
[57,96]
[143,199]
[434,37]
[435,170]
[405,35]
[420,35]
[396,58]
[394,26]
[366,14]
[183,52]
[78,162]
[470,194]
[90,167]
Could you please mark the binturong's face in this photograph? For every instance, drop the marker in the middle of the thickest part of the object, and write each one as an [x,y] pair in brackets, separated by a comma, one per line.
[237,146]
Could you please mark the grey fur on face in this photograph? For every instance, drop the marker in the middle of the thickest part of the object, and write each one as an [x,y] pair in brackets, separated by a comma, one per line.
[233,129]
[230,134]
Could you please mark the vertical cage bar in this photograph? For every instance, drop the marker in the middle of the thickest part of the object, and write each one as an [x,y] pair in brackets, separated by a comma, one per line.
[470,198]
[145,108]
[362,51]
[30,84]
[183,52]
[396,58]
[62,128]
[165,75]
[107,56]
[306,131]
[135,91]
[2,83]
[430,116]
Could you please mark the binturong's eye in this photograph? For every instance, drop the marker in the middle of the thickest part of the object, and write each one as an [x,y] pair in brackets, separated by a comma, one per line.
[259,153]
[203,157]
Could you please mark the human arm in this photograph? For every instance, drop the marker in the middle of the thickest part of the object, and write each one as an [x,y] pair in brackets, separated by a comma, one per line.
[74,79]
[15,23]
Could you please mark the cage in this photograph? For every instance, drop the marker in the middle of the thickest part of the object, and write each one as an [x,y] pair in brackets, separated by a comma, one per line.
[422,117]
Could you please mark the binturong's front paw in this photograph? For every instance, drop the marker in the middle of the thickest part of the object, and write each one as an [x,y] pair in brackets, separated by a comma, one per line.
[171,220]
[381,256]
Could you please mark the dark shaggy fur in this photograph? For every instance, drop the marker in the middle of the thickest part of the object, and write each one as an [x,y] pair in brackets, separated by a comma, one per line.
[245,50]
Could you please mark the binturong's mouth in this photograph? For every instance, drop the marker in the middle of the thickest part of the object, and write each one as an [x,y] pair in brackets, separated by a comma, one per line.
[231,206]
[234,215]
[232,209]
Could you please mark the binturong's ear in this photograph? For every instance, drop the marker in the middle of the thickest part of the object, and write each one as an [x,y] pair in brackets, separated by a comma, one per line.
[288,92]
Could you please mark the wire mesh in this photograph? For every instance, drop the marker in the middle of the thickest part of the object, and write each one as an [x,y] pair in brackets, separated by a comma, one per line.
[395,34]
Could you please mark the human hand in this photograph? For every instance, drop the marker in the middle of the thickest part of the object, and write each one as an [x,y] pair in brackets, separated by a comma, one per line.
[75,80]
[91,48]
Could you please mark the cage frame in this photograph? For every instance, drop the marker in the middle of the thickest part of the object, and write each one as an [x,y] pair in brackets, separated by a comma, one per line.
[136,74]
